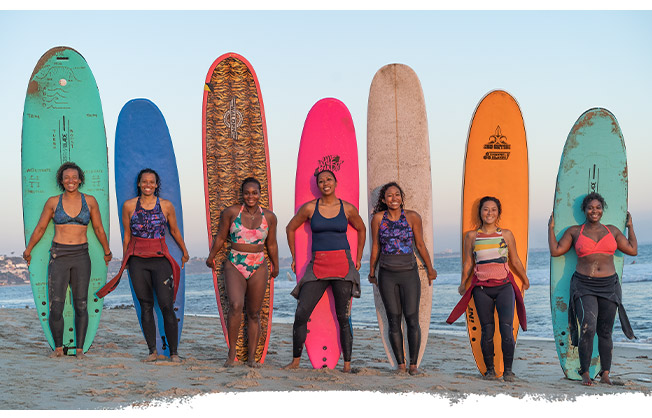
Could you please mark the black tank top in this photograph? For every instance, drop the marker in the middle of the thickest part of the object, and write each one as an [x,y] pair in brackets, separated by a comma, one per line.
[329,234]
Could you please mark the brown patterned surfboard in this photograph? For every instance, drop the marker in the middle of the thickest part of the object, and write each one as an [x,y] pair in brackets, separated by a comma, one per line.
[234,147]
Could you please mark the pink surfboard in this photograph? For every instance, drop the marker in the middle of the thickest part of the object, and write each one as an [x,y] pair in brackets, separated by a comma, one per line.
[328,137]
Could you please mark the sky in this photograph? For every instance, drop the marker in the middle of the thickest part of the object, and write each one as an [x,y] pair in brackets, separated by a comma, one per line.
[556,64]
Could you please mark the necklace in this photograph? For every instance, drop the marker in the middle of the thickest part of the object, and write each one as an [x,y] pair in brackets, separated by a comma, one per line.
[252,215]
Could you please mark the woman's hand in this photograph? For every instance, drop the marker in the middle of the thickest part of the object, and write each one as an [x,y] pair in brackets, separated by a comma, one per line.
[551,221]
[210,263]
[628,221]
[275,271]
[27,256]
[358,264]
[293,266]
[108,257]
[372,279]
[432,275]
[526,283]
[184,259]
[461,290]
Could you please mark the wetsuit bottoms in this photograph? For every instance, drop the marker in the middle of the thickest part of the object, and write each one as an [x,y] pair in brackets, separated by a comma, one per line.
[70,265]
[309,296]
[595,314]
[502,299]
[149,276]
[401,293]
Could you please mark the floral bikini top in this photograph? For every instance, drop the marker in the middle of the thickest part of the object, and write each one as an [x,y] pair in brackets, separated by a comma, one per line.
[148,223]
[238,234]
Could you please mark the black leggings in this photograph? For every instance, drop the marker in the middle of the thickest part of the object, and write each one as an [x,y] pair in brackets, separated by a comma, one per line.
[595,314]
[401,293]
[69,265]
[149,275]
[309,296]
[502,299]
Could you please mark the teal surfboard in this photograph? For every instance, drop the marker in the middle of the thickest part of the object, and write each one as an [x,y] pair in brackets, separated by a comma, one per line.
[593,160]
[63,121]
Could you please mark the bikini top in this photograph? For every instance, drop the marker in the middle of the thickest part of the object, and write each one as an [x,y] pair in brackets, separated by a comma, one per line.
[238,234]
[148,223]
[586,246]
[329,234]
[491,255]
[395,237]
[62,218]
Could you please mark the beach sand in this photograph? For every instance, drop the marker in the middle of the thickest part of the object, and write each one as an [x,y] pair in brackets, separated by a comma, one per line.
[112,375]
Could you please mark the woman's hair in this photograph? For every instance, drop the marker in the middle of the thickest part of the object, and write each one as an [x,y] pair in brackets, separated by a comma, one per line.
[317,173]
[382,206]
[593,196]
[485,200]
[247,181]
[158,180]
[67,166]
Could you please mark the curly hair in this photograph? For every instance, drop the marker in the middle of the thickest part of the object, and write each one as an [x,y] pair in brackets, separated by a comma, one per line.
[485,200]
[149,171]
[382,206]
[593,196]
[67,166]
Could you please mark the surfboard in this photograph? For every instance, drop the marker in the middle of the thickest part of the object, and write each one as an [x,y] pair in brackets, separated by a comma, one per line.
[593,160]
[328,138]
[142,140]
[496,164]
[63,121]
[398,150]
[235,147]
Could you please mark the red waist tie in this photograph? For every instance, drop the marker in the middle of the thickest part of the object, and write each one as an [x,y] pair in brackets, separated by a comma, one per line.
[330,264]
[146,248]
[459,309]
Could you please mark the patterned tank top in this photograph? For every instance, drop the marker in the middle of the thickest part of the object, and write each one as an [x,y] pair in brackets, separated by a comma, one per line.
[395,237]
[491,255]
[148,223]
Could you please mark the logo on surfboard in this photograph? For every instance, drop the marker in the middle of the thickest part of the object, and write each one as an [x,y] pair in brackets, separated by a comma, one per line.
[498,148]
[233,119]
[330,163]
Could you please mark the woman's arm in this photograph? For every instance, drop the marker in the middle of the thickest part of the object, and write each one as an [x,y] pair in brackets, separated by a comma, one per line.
[171,216]
[41,226]
[514,259]
[128,208]
[302,215]
[375,247]
[226,217]
[414,220]
[467,260]
[564,244]
[627,245]
[356,222]
[270,242]
[98,228]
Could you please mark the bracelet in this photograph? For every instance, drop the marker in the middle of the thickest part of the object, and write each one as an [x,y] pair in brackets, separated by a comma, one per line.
[372,276]
[109,253]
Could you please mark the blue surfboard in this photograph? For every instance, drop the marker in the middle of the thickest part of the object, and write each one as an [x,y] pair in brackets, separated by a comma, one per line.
[142,140]
[593,160]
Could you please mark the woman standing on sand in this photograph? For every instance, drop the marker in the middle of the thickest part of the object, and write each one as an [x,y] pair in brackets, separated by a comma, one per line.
[487,256]
[331,263]
[595,292]
[394,231]
[70,264]
[246,271]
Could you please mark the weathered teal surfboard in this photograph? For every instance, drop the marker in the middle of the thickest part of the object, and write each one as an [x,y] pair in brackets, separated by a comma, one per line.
[63,121]
[593,160]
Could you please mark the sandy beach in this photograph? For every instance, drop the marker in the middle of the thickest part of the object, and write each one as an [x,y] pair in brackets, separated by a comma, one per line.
[113,376]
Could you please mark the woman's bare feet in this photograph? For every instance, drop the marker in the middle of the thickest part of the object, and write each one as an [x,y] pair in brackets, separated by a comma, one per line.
[160,356]
[80,354]
[294,364]
[152,357]
[400,369]
[58,352]
[605,378]
[586,379]
[414,371]
[490,374]
[347,367]
[509,376]
[252,363]
[174,358]
[230,362]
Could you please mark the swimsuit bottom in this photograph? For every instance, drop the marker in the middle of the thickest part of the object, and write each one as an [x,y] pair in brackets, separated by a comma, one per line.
[246,263]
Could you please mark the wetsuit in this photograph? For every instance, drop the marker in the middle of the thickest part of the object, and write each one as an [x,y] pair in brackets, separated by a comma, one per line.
[70,265]
[399,285]
[331,265]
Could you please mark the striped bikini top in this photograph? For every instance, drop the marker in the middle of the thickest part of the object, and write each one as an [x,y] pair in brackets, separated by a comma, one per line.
[491,255]
[239,234]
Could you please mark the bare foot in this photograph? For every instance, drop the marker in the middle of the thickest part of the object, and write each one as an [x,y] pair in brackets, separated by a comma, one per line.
[509,376]
[605,378]
[80,354]
[347,367]
[294,364]
[174,358]
[490,374]
[253,364]
[58,352]
[586,379]
[160,357]
[414,371]
[151,358]
[230,362]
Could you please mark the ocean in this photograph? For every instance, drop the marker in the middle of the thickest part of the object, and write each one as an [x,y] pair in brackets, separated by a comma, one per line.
[200,297]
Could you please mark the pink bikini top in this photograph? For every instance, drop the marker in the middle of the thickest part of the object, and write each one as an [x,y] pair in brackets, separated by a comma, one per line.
[586,246]
[239,234]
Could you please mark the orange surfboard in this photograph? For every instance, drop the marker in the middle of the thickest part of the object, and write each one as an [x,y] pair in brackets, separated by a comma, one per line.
[496,164]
